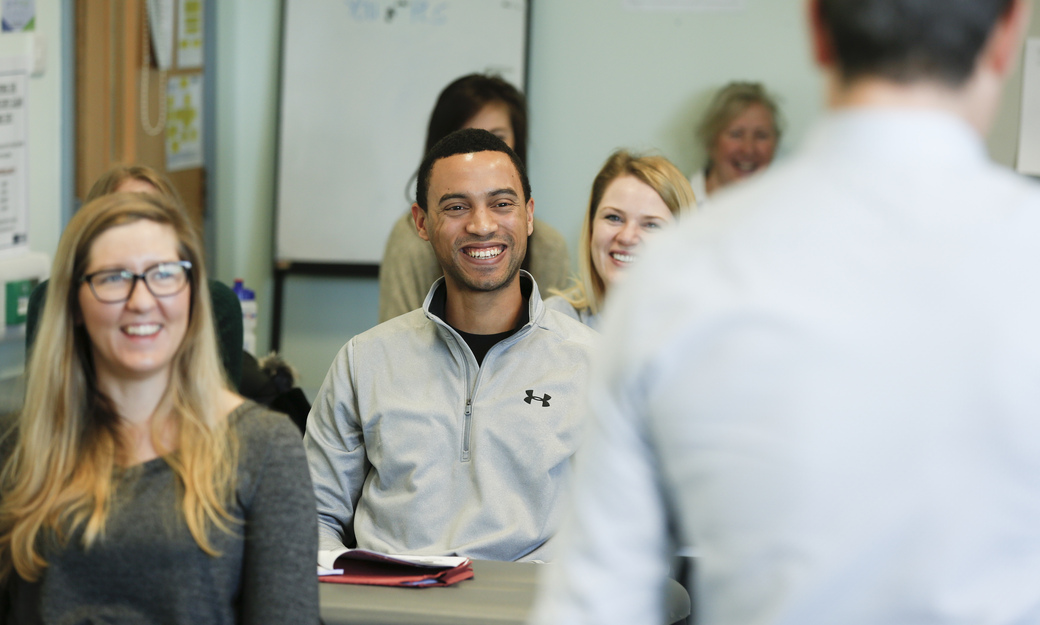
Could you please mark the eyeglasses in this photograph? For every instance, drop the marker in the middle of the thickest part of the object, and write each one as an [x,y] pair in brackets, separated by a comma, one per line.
[115,285]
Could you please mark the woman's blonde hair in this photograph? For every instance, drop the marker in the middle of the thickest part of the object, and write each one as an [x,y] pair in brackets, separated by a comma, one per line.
[61,475]
[110,181]
[728,104]
[659,174]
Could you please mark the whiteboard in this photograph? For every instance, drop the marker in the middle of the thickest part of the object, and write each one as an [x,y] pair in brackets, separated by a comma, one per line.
[359,79]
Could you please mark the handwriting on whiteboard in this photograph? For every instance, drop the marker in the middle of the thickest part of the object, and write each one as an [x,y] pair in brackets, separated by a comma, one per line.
[429,12]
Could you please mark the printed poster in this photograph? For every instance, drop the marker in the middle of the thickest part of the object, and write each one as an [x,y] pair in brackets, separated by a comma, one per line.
[189,33]
[184,122]
[14,158]
[160,27]
[17,15]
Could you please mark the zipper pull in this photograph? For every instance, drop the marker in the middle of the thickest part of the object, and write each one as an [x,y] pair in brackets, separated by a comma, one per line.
[466,430]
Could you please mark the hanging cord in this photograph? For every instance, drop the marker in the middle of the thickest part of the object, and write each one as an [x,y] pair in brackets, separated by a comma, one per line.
[149,129]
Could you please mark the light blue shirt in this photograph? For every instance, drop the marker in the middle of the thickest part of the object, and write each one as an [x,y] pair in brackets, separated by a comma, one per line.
[828,381]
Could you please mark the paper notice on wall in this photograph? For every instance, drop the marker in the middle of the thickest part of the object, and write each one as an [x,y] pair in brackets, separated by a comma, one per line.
[1028,161]
[17,15]
[189,33]
[184,122]
[160,25]
[684,5]
[14,158]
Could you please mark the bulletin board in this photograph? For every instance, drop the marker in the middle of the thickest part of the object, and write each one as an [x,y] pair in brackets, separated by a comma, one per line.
[359,78]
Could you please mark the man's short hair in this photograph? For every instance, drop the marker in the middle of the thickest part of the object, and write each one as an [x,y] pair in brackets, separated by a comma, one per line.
[910,40]
[466,141]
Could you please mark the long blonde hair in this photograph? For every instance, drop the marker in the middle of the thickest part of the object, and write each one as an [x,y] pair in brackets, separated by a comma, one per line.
[659,174]
[62,473]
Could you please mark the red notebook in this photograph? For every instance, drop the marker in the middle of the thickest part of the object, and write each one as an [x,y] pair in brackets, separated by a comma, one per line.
[360,566]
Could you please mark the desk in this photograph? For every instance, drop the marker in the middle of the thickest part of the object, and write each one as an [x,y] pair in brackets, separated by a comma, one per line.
[500,592]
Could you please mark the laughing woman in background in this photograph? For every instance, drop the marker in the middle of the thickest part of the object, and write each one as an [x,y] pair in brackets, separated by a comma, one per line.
[633,197]
[135,486]
[740,132]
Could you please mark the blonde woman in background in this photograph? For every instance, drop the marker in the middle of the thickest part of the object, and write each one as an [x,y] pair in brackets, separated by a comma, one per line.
[135,486]
[739,132]
[133,179]
[632,197]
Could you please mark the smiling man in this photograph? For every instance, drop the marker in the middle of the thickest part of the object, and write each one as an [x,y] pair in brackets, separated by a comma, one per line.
[450,430]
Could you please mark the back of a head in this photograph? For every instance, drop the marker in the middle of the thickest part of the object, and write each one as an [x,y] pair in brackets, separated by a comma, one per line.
[909,40]
[466,141]
[110,181]
[463,98]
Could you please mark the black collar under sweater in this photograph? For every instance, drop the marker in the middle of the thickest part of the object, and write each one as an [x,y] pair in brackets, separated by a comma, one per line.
[480,344]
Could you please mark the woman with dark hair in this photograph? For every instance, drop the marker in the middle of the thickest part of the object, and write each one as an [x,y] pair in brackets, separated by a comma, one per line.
[409,265]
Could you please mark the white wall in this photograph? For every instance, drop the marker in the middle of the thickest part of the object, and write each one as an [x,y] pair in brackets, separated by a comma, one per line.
[247,57]
[600,77]
[1003,137]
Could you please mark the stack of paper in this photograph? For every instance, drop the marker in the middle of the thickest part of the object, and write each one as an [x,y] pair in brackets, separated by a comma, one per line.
[360,566]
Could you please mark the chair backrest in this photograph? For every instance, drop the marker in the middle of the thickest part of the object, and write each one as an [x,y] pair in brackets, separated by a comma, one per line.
[227,318]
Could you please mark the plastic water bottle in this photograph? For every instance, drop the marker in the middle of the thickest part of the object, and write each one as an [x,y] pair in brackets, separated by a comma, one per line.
[247,298]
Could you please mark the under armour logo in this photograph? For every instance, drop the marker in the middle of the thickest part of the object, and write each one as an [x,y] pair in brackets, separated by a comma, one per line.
[544,399]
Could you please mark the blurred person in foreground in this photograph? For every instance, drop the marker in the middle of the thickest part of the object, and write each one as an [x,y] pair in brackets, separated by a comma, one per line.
[827,382]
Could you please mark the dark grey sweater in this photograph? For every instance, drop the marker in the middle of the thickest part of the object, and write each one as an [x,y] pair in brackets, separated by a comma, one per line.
[148,569]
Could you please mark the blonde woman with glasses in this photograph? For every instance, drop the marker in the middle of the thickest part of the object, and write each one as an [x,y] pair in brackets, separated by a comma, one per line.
[135,486]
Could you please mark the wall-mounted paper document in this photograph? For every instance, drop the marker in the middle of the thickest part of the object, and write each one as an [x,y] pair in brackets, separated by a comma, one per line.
[14,155]
[1029,124]
[189,33]
[160,25]
[17,15]
[184,122]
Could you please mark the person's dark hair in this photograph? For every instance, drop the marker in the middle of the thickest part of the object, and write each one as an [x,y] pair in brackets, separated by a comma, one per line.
[909,40]
[464,98]
[466,141]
